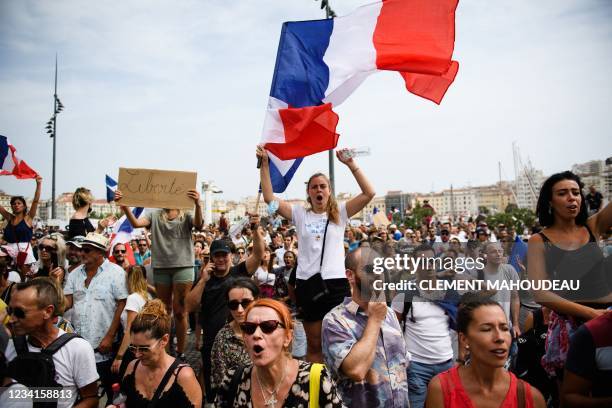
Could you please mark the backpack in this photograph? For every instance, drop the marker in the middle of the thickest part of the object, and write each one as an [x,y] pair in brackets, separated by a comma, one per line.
[449,304]
[37,369]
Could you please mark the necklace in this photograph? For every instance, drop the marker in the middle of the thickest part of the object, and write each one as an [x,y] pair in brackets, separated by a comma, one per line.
[272,401]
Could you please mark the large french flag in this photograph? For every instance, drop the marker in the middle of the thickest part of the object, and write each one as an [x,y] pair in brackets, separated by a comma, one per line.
[320,63]
[10,164]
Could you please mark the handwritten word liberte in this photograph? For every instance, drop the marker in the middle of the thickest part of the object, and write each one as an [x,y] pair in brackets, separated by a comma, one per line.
[148,186]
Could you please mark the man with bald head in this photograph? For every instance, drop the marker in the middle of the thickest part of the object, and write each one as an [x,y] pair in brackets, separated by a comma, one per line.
[363,345]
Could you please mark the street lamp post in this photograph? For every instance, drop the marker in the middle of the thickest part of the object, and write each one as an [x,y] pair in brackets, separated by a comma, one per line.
[52,132]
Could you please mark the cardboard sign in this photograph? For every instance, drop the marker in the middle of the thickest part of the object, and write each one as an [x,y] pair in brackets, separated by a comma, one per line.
[156,188]
[380,220]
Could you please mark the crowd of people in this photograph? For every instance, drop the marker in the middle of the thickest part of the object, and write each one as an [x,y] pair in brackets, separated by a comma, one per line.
[294,311]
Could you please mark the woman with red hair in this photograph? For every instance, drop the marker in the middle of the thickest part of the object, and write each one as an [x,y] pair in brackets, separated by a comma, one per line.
[274,379]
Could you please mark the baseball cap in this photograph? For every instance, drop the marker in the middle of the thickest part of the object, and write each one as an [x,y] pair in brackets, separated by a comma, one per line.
[219,245]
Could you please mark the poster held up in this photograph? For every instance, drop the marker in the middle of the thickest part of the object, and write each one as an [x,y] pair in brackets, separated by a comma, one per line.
[152,188]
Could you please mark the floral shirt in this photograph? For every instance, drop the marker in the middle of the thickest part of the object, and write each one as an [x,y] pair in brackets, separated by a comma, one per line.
[228,351]
[95,305]
[299,393]
[385,384]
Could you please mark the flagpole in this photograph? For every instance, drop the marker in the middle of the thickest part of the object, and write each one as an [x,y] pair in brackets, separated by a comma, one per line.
[54,142]
[332,177]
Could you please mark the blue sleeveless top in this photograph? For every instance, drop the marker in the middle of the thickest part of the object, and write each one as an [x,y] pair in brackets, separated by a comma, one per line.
[21,232]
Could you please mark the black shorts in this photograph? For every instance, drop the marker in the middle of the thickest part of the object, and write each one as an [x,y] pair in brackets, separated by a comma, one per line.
[312,311]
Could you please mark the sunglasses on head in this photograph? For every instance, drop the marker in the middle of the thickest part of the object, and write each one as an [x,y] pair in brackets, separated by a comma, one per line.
[142,349]
[267,326]
[233,304]
[16,311]
[47,248]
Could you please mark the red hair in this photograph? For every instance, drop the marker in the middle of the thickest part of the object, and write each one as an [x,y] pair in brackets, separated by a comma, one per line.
[281,310]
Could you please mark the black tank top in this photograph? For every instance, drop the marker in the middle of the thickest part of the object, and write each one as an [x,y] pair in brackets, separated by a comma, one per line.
[584,264]
[173,397]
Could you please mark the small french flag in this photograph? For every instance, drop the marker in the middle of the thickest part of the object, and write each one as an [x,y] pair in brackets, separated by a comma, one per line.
[10,164]
[110,193]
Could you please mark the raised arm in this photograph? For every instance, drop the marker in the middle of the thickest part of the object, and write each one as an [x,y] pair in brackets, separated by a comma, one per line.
[259,245]
[601,221]
[284,208]
[34,206]
[136,222]
[356,204]
[197,219]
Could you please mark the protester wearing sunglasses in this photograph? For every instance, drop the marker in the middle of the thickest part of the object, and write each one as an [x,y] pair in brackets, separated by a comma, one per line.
[52,257]
[97,291]
[120,257]
[33,308]
[209,295]
[274,379]
[229,351]
[149,336]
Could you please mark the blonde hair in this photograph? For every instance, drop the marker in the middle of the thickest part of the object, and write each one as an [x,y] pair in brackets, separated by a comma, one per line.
[153,318]
[333,213]
[136,281]
[82,197]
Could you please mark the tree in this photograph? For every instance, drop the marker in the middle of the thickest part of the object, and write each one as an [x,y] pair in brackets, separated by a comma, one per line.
[517,218]
[419,213]
[483,210]
[511,207]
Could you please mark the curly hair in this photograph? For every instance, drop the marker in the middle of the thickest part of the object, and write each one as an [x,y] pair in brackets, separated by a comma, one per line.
[544,209]
[153,318]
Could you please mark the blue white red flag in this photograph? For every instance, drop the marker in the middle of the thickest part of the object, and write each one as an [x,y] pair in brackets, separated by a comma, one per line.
[320,63]
[10,164]
[110,192]
[122,234]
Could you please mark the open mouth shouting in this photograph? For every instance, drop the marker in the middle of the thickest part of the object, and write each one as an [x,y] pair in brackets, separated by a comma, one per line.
[258,350]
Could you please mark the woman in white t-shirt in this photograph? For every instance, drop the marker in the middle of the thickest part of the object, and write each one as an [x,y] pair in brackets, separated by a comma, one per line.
[137,298]
[321,282]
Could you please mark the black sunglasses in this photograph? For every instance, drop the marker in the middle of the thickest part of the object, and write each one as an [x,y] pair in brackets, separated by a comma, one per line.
[86,249]
[267,326]
[17,312]
[120,252]
[47,248]
[233,304]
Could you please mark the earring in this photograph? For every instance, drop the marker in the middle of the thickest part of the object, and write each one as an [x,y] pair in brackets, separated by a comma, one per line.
[549,209]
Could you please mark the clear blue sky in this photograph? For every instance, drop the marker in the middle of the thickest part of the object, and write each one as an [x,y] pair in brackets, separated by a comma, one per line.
[183,85]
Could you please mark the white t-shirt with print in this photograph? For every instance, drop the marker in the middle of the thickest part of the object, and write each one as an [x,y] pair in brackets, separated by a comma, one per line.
[75,364]
[310,228]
